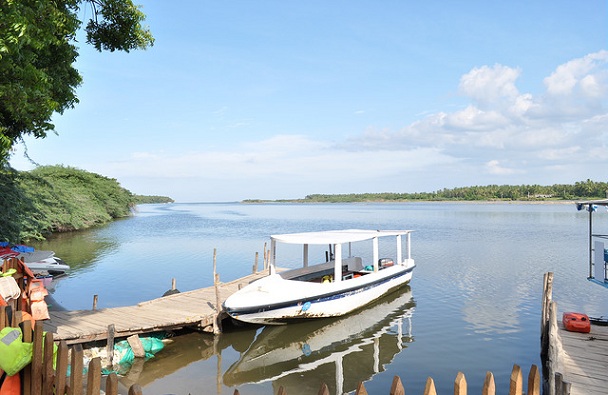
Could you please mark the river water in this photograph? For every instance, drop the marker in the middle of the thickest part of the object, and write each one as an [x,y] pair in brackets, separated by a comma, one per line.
[473,304]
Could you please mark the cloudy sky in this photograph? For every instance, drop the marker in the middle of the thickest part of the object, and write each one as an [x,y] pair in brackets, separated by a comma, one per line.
[281,99]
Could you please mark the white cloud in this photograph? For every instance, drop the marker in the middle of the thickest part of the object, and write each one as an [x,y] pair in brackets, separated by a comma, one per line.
[489,86]
[580,75]
[568,121]
[495,167]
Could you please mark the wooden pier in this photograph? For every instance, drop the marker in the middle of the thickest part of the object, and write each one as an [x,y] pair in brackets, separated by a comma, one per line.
[573,363]
[585,360]
[194,309]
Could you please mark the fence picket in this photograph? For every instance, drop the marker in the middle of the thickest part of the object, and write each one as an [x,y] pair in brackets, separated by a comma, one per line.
[37,360]
[534,381]
[515,387]
[323,390]
[112,384]
[62,367]
[76,370]
[48,375]
[460,384]
[489,387]
[93,377]
[361,389]
[397,386]
[429,388]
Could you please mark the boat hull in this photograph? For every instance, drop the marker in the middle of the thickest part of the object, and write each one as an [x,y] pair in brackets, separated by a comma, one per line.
[302,301]
[50,265]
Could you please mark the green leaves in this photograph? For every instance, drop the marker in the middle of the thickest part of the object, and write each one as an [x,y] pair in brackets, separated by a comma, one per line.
[37,55]
[117,25]
[57,198]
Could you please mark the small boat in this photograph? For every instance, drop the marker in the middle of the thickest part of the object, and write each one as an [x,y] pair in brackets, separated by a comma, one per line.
[352,348]
[344,281]
[38,261]
[44,262]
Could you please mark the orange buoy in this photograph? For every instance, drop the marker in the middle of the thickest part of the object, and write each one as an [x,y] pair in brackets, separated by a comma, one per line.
[576,322]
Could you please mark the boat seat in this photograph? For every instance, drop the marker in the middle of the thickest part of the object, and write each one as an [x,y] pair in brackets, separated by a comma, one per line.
[348,264]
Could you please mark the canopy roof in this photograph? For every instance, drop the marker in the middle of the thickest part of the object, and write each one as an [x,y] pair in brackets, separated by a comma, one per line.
[335,236]
[602,202]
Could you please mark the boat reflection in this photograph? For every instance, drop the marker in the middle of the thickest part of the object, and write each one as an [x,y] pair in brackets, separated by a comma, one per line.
[340,352]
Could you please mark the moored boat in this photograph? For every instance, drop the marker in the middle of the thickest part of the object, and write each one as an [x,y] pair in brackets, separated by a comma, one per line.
[343,282]
[38,261]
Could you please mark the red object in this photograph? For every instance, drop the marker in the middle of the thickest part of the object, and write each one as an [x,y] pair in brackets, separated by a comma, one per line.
[576,322]
[11,385]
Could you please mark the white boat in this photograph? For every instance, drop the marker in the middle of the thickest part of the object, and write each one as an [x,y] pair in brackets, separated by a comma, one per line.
[44,261]
[352,348]
[343,282]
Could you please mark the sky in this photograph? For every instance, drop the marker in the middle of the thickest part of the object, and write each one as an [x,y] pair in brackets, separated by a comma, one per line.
[282,99]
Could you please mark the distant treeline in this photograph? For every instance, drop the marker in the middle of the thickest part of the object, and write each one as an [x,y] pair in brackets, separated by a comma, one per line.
[48,199]
[580,190]
[143,199]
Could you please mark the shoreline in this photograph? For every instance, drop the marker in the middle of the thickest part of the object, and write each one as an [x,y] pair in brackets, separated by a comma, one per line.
[412,201]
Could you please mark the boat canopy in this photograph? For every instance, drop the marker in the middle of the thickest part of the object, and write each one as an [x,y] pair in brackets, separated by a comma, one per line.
[335,236]
[598,270]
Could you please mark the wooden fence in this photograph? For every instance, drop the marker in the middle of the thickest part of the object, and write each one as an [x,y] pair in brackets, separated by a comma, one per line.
[41,378]
[460,385]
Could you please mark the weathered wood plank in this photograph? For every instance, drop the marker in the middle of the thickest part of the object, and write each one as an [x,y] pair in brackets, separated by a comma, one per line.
[585,360]
[186,309]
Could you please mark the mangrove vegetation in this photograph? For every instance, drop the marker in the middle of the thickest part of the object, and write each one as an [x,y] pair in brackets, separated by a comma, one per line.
[50,199]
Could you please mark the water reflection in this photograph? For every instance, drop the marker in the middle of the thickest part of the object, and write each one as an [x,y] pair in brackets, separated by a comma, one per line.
[340,352]
[78,249]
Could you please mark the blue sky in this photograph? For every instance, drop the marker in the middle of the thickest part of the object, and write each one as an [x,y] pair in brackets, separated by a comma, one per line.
[281,99]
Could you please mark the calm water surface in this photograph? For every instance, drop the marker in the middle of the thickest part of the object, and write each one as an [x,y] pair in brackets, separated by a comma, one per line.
[473,304]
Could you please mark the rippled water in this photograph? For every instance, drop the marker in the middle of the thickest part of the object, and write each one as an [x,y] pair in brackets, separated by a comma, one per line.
[473,305]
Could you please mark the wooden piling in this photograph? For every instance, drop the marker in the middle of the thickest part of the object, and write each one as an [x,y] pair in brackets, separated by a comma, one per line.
[110,343]
[255,263]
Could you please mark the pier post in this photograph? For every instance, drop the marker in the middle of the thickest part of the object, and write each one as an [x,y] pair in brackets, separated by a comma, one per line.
[255,263]
[216,280]
[110,344]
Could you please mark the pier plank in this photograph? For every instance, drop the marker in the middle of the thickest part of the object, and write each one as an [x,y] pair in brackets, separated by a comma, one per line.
[585,359]
[194,308]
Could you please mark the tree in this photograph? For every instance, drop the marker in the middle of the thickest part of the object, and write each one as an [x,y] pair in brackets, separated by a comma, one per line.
[37,55]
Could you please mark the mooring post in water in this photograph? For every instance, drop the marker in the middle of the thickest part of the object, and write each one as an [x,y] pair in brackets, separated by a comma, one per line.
[94,302]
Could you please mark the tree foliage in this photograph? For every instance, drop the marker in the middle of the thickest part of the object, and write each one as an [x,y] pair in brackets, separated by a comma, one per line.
[151,199]
[580,190]
[56,198]
[38,52]
[117,26]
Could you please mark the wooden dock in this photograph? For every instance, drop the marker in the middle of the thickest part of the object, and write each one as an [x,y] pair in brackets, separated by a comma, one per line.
[573,363]
[584,361]
[196,309]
